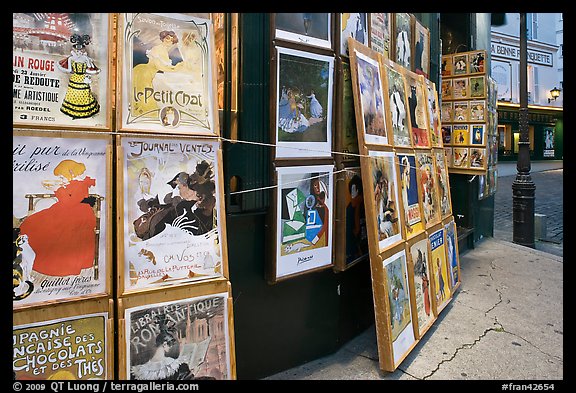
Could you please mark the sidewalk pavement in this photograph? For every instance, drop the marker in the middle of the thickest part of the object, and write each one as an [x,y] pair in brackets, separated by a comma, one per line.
[505,322]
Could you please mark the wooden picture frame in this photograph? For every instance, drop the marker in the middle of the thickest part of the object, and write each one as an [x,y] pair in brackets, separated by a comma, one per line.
[478,111]
[355,26]
[308,28]
[346,130]
[409,192]
[420,48]
[403,55]
[304,221]
[460,134]
[429,193]
[460,157]
[418,107]
[448,153]
[446,134]
[351,234]
[460,89]
[446,66]
[461,111]
[477,61]
[73,340]
[62,215]
[434,114]
[478,86]
[171,215]
[197,319]
[397,97]
[478,134]
[439,266]
[56,55]
[459,64]
[302,99]
[478,158]
[446,114]
[381,32]
[447,88]
[418,252]
[369,87]
[183,98]
[452,253]
[442,179]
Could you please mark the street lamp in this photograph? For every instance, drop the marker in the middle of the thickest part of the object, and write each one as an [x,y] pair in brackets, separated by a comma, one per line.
[555,93]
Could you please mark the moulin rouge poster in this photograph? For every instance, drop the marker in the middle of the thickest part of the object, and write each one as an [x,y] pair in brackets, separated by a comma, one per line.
[59,217]
[60,73]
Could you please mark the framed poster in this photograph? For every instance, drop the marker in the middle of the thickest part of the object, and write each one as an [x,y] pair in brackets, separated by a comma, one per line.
[460,88]
[303,90]
[478,134]
[346,130]
[446,66]
[477,62]
[403,40]
[385,220]
[420,48]
[460,158]
[439,268]
[446,112]
[419,264]
[71,341]
[352,234]
[434,115]
[459,64]
[181,334]
[452,254]
[60,216]
[478,86]
[354,25]
[381,32]
[309,28]
[443,183]
[461,111]
[448,154]
[62,70]
[398,105]
[412,209]
[171,226]
[369,85]
[304,220]
[166,74]
[447,87]
[429,192]
[478,110]
[418,105]
[460,134]
[477,158]
[446,134]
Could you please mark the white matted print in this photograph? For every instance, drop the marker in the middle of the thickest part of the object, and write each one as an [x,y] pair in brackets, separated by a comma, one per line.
[304,219]
[420,256]
[308,28]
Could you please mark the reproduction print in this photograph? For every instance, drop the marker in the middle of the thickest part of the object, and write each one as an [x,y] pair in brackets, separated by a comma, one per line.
[381,32]
[62,349]
[478,134]
[434,115]
[409,193]
[399,297]
[446,66]
[403,34]
[460,88]
[418,110]
[448,154]
[421,49]
[428,188]
[477,158]
[385,194]
[172,215]
[179,340]
[59,217]
[477,86]
[60,69]
[478,110]
[443,184]
[398,108]
[477,61]
[461,111]
[447,87]
[460,134]
[353,25]
[439,268]
[304,219]
[371,100]
[422,291]
[304,104]
[452,253]
[304,27]
[459,64]
[166,74]
[356,231]
[548,142]
[446,134]
[348,132]
[460,157]
[446,112]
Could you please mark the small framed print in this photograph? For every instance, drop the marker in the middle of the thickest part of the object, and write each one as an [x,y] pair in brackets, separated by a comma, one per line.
[478,134]
[460,88]
[381,32]
[460,134]
[447,89]
[346,132]
[448,153]
[418,105]
[439,266]
[434,114]
[429,192]
[411,204]
[403,39]
[478,86]
[460,157]
[420,48]
[452,253]
[355,25]
[461,111]
[477,110]
[459,64]
[477,158]
[447,134]
[398,104]
[446,66]
[308,28]
[446,112]
[443,183]
[477,62]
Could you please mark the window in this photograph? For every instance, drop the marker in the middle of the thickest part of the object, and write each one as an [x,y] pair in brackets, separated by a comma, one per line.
[532,26]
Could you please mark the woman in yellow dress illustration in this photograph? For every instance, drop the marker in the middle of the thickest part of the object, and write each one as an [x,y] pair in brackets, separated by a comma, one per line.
[79,101]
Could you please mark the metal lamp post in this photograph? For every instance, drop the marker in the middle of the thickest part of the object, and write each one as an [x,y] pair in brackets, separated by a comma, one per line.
[523,188]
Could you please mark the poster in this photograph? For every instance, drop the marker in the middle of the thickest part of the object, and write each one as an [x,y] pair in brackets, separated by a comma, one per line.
[478,110]
[460,88]
[308,28]
[477,158]
[439,268]
[348,132]
[477,62]
[461,111]
[56,56]
[59,217]
[460,158]
[420,257]
[403,41]
[409,192]
[304,219]
[443,184]
[421,40]
[548,142]
[459,64]
[418,109]
[172,222]
[385,194]
[429,192]
[446,88]
[446,66]
[434,115]
[398,111]
[355,217]
[446,113]
[460,134]
[452,253]
[62,349]
[167,74]
[478,136]
[380,32]
[355,25]
[400,312]
[304,104]
[179,340]
[446,134]
[478,86]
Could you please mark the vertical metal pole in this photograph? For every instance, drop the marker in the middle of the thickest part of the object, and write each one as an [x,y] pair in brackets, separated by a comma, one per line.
[523,188]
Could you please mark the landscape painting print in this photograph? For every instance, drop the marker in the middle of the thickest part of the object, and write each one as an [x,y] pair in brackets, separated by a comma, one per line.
[167,74]
[304,219]
[304,27]
[59,217]
[304,104]
[420,257]
[184,339]
[386,202]
[73,348]
[172,215]
[409,192]
[61,69]
[439,268]
[400,311]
